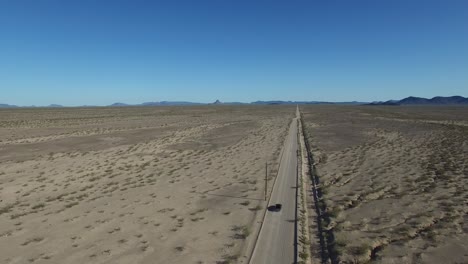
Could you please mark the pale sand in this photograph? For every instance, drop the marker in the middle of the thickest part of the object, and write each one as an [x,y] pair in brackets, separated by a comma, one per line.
[135,185]
[394,181]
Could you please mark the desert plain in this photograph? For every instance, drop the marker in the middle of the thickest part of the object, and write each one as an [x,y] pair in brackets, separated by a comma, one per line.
[135,184]
[393,181]
[185,184]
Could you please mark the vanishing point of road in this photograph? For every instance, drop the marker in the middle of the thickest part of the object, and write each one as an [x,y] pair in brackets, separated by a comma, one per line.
[276,240]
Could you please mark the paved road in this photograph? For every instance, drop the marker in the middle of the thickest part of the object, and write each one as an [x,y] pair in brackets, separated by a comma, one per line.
[276,241]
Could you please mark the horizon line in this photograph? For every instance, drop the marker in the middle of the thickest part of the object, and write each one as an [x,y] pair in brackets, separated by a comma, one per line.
[217,101]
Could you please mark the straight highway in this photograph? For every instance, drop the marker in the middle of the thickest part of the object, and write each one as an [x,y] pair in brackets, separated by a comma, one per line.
[277,239]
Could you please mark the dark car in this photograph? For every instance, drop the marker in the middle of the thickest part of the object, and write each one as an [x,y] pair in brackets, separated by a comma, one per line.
[275,207]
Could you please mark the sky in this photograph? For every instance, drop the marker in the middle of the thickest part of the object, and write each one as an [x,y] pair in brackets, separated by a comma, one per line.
[91,52]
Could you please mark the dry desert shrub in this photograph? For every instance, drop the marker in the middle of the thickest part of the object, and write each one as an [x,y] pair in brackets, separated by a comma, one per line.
[400,168]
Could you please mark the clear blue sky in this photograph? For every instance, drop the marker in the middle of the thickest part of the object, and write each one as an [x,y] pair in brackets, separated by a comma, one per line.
[100,52]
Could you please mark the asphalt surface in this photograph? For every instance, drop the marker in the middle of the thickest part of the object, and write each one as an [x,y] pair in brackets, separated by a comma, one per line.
[276,240]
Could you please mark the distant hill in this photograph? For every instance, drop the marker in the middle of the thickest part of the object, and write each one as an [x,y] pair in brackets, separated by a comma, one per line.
[55,105]
[438,100]
[304,102]
[8,106]
[169,103]
[155,103]
[119,104]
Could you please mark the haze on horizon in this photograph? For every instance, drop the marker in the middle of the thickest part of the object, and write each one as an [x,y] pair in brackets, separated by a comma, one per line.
[99,53]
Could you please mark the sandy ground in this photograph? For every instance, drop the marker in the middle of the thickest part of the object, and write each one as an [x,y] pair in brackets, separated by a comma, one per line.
[394,181]
[134,185]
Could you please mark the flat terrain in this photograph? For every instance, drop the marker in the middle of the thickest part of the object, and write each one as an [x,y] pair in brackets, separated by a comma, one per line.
[135,184]
[394,181]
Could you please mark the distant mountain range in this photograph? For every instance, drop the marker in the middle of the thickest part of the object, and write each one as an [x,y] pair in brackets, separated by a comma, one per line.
[162,103]
[304,102]
[7,106]
[438,100]
[218,102]
[15,106]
